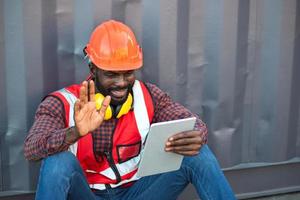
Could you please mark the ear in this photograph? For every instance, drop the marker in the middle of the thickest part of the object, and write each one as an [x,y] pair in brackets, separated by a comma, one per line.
[92,69]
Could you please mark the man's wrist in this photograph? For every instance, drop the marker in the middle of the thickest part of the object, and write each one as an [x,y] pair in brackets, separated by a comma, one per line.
[72,135]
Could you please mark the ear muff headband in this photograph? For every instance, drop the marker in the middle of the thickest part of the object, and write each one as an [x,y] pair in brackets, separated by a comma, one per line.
[122,110]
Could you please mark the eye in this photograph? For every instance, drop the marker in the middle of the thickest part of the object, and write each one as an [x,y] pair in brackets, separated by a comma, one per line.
[110,74]
[129,73]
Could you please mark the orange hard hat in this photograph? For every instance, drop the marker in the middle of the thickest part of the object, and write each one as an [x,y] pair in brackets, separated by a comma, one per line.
[113,47]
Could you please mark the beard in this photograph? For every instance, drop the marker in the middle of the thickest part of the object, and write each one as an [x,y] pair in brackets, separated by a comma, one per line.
[108,91]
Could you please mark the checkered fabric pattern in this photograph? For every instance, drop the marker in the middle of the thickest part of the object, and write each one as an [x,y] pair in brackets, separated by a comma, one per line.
[48,132]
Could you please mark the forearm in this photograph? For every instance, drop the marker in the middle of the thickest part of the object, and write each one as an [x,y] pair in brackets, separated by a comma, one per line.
[39,145]
[48,134]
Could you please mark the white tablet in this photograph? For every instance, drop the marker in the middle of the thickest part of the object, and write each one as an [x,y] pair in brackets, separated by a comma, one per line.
[155,159]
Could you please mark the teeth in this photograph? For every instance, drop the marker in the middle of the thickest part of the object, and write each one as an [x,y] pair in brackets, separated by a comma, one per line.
[119,93]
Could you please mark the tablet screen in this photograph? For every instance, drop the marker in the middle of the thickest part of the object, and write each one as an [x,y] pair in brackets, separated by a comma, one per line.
[155,159]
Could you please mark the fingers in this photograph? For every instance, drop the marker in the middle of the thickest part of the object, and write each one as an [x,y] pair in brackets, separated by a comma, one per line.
[187,150]
[92,90]
[185,143]
[187,153]
[104,105]
[83,96]
[186,134]
[87,92]
[190,147]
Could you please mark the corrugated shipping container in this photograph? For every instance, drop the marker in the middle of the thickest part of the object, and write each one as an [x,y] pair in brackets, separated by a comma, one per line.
[235,63]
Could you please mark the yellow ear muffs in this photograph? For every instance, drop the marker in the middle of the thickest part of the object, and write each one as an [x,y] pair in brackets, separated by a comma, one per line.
[125,108]
[121,110]
[99,99]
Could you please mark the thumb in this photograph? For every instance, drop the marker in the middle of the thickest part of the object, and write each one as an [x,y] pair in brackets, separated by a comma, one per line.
[104,105]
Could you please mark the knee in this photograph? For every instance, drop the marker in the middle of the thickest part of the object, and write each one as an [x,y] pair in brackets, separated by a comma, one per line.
[205,160]
[59,164]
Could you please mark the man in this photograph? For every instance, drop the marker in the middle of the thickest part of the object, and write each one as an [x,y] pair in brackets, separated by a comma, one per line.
[104,123]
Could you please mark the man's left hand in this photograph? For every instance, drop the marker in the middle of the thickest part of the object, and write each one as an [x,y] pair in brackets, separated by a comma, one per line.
[186,143]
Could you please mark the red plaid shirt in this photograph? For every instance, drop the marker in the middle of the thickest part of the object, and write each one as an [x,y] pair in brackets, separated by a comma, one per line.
[47,135]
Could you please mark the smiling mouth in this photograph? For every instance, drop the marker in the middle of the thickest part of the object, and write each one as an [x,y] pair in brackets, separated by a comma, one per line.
[119,94]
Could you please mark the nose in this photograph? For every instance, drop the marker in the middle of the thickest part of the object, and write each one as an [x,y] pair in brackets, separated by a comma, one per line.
[121,81]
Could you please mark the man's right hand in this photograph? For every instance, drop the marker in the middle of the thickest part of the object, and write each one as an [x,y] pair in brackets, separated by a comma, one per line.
[87,117]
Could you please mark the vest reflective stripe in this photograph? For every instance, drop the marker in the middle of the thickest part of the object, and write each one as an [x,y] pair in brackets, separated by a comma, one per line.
[143,123]
[141,116]
[140,112]
[124,168]
[68,99]
[102,186]
[71,98]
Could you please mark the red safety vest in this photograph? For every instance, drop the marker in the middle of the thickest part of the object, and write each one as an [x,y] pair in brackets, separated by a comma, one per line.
[120,164]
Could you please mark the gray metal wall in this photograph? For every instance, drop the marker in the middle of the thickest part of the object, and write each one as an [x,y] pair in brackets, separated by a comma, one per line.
[235,63]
